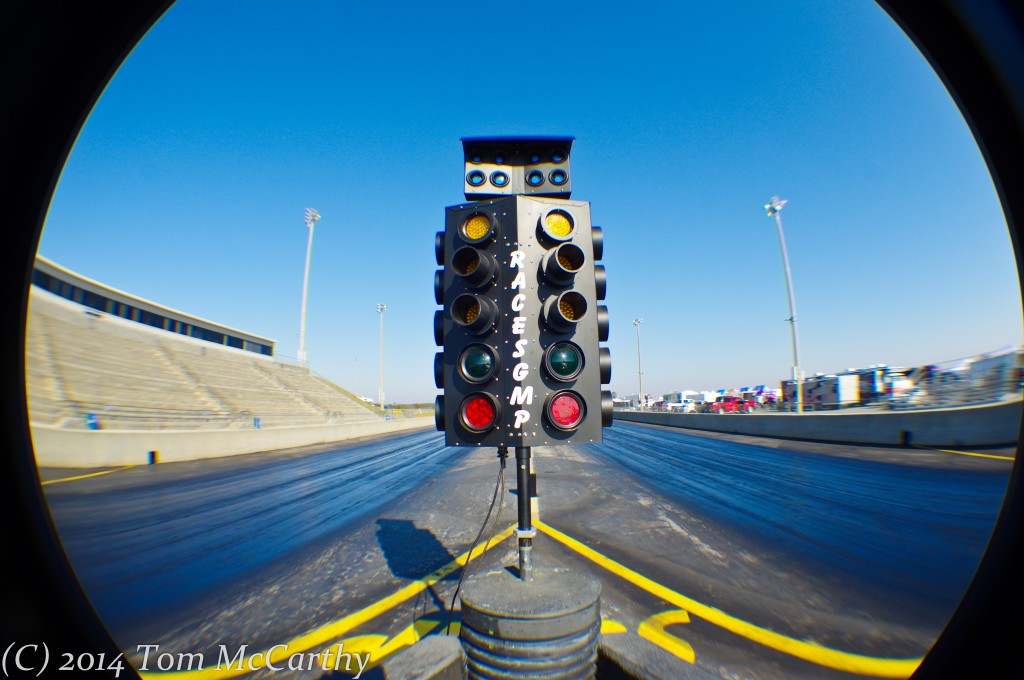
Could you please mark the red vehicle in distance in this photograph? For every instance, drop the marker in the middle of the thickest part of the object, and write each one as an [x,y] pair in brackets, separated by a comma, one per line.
[727,404]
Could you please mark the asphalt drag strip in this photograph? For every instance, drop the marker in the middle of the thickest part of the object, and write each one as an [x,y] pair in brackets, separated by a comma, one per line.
[683,596]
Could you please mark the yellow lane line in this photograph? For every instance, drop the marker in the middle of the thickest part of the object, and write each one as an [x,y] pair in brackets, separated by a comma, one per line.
[331,631]
[91,474]
[808,651]
[978,455]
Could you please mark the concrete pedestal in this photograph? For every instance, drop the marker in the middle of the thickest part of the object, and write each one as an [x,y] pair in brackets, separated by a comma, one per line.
[547,627]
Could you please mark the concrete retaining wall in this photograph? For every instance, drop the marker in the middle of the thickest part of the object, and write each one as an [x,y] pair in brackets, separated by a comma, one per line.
[989,425]
[55,447]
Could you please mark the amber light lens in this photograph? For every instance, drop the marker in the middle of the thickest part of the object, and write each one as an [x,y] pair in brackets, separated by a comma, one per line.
[563,312]
[558,224]
[477,228]
[567,309]
[465,261]
[474,313]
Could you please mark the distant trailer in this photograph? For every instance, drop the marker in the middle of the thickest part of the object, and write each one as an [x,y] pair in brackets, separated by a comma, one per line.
[826,391]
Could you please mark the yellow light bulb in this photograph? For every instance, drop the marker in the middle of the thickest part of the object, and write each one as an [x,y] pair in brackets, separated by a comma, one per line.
[477,227]
[559,224]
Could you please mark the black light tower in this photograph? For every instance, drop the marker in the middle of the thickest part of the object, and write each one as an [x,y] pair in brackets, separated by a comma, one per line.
[520,326]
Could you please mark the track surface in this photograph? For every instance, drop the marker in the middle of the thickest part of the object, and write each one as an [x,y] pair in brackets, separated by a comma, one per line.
[719,555]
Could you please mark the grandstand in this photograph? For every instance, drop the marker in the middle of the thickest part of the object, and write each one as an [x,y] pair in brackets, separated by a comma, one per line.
[99,367]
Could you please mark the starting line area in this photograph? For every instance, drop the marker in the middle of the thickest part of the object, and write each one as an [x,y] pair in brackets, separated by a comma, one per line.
[371,649]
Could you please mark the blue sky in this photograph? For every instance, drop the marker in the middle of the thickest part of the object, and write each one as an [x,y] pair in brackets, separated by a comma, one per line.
[189,182]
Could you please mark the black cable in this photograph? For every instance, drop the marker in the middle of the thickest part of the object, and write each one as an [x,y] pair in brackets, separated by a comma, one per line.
[499,489]
[501,504]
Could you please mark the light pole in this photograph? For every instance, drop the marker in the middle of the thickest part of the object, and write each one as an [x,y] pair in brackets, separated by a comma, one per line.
[380,310]
[312,217]
[639,366]
[774,209]
[358,389]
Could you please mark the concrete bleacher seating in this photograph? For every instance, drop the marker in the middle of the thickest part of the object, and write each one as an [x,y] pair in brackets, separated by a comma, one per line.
[82,366]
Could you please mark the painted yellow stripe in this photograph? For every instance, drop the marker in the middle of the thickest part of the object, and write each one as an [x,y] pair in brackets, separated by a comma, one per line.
[823,656]
[611,627]
[653,629]
[977,455]
[91,474]
[319,637]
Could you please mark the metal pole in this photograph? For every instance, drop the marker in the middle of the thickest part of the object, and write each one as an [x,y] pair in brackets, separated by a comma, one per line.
[312,217]
[525,531]
[358,389]
[380,310]
[639,366]
[774,209]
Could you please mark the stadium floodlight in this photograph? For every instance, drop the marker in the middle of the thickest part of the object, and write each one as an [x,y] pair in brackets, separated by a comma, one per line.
[639,366]
[312,217]
[380,310]
[774,209]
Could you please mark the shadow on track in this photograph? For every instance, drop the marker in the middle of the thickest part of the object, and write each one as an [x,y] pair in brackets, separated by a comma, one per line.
[413,553]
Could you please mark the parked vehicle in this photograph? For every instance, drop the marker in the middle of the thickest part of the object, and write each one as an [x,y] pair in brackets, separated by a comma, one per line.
[730,404]
[685,406]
